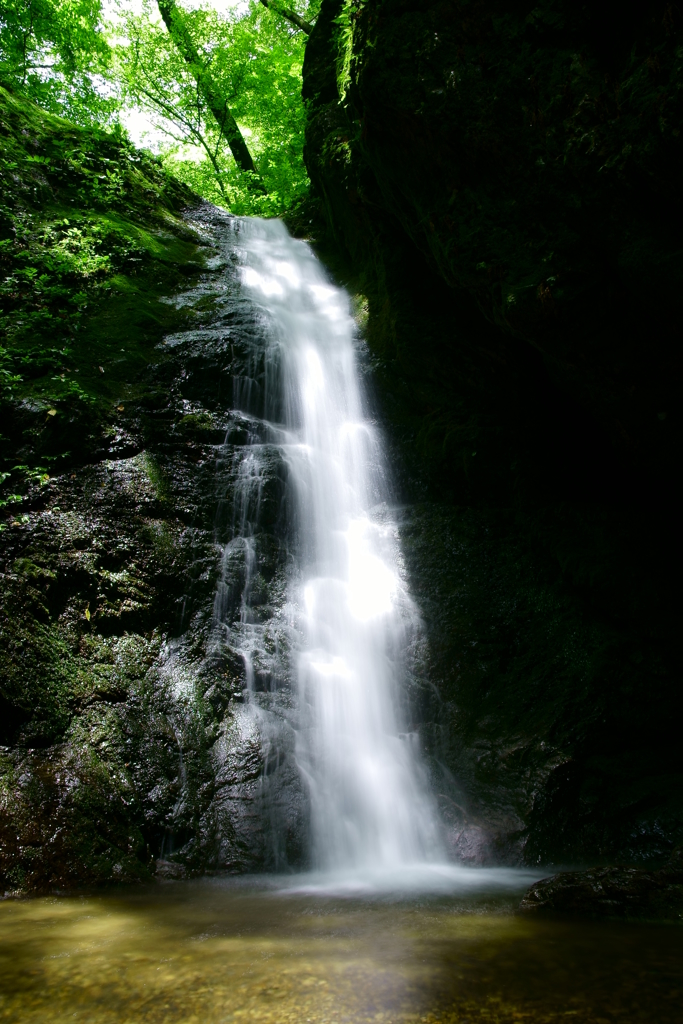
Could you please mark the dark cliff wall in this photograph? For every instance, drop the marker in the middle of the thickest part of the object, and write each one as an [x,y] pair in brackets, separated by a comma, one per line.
[499,182]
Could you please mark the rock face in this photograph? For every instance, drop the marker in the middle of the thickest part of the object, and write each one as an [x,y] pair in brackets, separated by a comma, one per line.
[497,183]
[126,745]
[126,735]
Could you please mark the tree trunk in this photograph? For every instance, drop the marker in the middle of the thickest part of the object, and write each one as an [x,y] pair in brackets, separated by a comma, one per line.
[209,88]
[292,16]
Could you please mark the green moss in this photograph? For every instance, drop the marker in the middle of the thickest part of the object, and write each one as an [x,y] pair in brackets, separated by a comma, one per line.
[34,678]
[27,569]
[197,425]
[90,245]
[68,817]
[92,248]
[157,477]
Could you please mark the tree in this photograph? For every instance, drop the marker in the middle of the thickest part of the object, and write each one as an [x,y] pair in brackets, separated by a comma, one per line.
[289,15]
[256,60]
[225,89]
[189,122]
[209,88]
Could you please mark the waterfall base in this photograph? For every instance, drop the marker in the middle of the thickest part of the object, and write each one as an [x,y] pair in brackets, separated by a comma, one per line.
[232,950]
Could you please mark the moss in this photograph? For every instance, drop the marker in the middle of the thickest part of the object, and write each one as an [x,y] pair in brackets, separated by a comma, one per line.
[199,425]
[66,817]
[157,478]
[114,701]
[92,559]
[92,245]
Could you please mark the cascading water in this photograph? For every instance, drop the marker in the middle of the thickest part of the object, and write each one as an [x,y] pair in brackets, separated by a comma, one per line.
[370,804]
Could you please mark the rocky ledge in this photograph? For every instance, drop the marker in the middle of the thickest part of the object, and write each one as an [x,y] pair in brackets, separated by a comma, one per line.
[612,892]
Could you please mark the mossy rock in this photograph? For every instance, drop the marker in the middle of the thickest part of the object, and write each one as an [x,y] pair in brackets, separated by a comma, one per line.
[117,704]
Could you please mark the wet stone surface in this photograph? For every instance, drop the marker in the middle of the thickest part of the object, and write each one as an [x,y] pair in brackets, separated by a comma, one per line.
[126,734]
[624,892]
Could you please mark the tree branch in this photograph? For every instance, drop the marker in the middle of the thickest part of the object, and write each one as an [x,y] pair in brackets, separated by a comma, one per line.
[291,16]
[173,114]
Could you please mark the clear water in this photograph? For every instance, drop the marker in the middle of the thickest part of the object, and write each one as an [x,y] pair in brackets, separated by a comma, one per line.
[216,950]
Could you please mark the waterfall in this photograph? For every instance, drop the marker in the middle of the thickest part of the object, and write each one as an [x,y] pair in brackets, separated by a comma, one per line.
[370,803]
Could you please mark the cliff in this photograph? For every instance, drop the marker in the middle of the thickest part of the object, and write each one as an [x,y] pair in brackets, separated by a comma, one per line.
[498,187]
[124,744]
[498,184]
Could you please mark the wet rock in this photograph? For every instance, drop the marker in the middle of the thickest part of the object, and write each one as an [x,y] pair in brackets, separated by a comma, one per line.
[126,737]
[168,870]
[611,892]
[520,403]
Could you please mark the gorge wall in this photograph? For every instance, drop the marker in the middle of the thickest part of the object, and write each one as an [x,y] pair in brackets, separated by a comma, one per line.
[498,186]
[126,745]
[498,183]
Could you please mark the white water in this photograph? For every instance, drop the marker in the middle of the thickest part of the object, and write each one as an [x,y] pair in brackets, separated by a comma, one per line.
[370,806]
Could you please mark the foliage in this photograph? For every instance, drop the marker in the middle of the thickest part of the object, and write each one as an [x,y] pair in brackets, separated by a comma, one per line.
[257,60]
[80,217]
[55,51]
[345,21]
[61,54]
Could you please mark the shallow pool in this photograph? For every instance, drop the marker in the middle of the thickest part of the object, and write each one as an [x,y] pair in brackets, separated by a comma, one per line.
[217,950]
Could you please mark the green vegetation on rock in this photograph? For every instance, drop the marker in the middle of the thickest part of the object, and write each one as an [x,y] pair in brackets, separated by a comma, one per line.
[89,227]
[499,188]
[93,543]
[206,83]
[125,747]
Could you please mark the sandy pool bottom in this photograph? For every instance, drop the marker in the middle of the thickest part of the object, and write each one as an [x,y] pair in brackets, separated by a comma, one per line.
[216,950]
